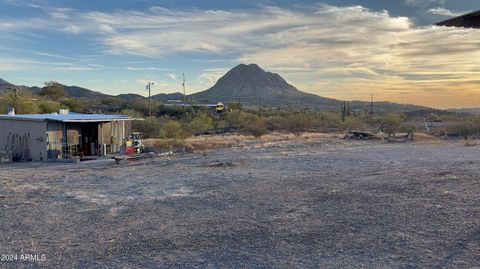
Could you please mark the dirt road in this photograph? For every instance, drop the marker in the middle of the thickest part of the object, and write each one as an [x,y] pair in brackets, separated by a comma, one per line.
[317,204]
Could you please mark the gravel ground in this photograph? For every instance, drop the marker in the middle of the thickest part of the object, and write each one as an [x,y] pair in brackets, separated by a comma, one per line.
[316,204]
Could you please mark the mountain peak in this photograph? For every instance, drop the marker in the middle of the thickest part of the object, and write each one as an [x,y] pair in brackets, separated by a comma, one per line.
[250,83]
[248,67]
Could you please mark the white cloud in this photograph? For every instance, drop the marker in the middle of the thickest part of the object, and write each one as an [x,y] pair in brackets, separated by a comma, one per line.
[53,55]
[210,76]
[131,68]
[172,76]
[9,63]
[417,3]
[4,67]
[157,86]
[445,12]
[324,49]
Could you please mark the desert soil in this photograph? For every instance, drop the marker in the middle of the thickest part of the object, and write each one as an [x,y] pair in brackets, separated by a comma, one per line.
[309,203]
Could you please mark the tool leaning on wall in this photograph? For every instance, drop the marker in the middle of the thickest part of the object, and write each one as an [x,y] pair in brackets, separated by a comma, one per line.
[19,146]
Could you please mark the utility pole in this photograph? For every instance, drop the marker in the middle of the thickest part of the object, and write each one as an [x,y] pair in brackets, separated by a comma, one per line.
[184,95]
[149,86]
[371,108]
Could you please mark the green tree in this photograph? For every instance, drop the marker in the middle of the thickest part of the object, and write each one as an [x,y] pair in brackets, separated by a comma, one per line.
[23,103]
[173,130]
[53,90]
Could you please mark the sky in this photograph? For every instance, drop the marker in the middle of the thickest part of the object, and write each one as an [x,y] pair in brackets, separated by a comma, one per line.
[347,50]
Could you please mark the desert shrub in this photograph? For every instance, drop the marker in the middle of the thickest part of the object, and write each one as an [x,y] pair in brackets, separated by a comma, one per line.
[298,123]
[48,106]
[74,104]
[466,129]
[351,123]
[236,118]
[274,123]
[174,145]
[235,105]
[200,123]
[407,128]
[391,123]
[23,103]
[221,123]
[113,101]
[255,126]
[132,113]
[172,129]
[140,105]
[432,117]
[329,119]
[149,127]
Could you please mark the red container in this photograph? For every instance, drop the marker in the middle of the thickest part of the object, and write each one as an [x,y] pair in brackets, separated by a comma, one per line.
[130,150]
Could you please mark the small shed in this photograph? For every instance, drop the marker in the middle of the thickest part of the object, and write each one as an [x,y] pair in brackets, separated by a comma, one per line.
[44,137]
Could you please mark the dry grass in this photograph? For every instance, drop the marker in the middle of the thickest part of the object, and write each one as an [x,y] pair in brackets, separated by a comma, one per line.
[211,142]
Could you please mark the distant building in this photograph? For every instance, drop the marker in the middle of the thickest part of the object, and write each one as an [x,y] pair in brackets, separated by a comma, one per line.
[43,137]
[218,107]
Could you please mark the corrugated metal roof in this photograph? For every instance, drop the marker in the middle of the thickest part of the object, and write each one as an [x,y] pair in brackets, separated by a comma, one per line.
[70,117]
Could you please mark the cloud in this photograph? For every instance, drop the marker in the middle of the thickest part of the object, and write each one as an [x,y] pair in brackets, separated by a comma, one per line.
[9,63]
[445,12]
[346,52]
[419,3]
[53,55]
[72,29]
[7,67]
[157,86]
[131,68]
[172,76]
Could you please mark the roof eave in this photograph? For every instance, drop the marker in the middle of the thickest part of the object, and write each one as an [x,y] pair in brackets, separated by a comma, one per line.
[22,119]
[98,120]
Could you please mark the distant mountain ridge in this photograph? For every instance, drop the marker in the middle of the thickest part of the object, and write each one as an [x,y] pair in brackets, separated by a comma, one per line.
[130,96]
[254,86]
[80,92]
[467,110]
[73,91]
[249,84]
[164,97]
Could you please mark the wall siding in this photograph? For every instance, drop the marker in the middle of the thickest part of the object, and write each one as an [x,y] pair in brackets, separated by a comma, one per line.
[35,133]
